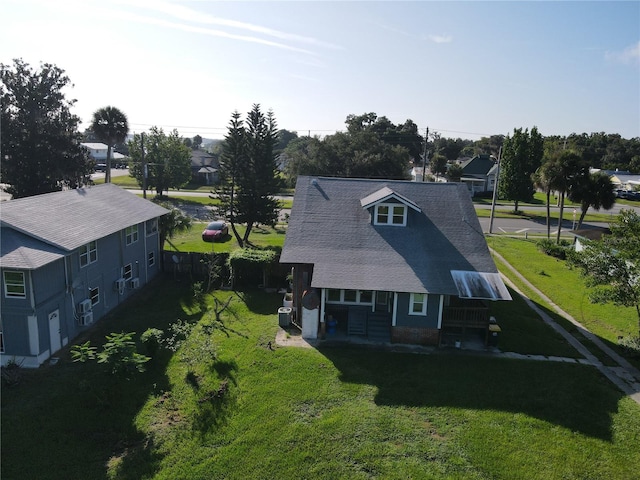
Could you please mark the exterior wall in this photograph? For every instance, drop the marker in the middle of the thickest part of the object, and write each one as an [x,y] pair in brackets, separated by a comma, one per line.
[61,285]
[403,319]
[26,331]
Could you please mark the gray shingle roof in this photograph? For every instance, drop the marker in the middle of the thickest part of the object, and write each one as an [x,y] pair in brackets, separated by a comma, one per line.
[73,218]
[22,252]
[329,228]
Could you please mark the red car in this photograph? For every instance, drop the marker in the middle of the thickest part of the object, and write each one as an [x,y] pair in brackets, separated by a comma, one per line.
[215,231]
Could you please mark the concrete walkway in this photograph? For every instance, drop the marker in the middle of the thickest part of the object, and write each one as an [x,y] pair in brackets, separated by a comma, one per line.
[624,375]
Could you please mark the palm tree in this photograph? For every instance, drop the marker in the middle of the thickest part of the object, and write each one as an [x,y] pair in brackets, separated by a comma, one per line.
[562,170]
[592,190]
[111,127]
[542,179]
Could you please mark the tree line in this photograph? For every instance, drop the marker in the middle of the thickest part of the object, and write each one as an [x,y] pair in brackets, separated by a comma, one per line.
[41,151]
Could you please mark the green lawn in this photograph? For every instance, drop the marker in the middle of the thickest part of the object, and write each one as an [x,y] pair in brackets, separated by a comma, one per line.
[566,288]
[259,411]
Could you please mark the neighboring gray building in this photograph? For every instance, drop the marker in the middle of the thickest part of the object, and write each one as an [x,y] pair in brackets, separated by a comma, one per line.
[204,167]
[68,258]
[479,173]
[393,261]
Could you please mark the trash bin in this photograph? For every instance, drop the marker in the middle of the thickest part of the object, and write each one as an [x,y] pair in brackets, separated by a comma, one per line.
[494,334]
[284,316]
[332,325]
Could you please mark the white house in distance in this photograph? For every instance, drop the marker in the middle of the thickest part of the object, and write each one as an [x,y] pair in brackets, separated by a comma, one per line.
[98,152]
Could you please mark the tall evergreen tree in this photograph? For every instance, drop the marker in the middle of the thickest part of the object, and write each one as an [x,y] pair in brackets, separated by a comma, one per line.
[521,156]
[39,137]
[110,126]
[248,172]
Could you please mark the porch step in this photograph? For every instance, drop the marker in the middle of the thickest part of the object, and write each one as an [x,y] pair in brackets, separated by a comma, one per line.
[357,324]
[379,327]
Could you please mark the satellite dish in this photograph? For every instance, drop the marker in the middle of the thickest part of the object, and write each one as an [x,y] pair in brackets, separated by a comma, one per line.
[175,259]
[310,299]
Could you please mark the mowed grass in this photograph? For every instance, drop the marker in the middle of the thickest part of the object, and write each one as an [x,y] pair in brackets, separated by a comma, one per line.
[261,237]
[565,288]
[263,411]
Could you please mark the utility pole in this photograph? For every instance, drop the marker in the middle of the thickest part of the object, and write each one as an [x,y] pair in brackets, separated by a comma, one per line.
[424,157]
[144,167]
[495,192]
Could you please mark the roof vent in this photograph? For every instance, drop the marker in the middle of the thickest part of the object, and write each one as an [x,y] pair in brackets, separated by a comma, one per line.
[314,182]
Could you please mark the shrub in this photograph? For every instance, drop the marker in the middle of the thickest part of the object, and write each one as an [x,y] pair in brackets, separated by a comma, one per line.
[119,353]
[151,338]
[549,247]
[82,353]
[630,345]
[11,373]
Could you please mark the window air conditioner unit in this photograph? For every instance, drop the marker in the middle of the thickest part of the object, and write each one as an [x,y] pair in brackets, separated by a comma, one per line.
[135,282]
[120,283]
[85,306]
[86,318]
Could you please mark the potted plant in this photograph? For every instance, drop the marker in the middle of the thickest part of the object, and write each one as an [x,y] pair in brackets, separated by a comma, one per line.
[288,300]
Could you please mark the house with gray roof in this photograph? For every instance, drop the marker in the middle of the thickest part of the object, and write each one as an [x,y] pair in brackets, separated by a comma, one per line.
[479,173]
[390,260]
[67,259]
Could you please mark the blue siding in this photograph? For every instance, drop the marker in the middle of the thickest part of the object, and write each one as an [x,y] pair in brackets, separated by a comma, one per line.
[403,319]
[52,291]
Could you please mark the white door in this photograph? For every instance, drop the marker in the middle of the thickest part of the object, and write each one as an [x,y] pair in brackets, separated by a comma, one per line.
[54,331]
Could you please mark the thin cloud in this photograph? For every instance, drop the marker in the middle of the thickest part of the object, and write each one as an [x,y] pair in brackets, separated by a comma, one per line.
[441,38]
[182,13]
[628,56]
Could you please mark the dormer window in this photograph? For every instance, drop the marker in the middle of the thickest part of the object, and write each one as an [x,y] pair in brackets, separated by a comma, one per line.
[390,214]
[388,207]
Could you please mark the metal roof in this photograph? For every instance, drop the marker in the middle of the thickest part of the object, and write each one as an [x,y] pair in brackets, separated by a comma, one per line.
[329,228]
[72,218]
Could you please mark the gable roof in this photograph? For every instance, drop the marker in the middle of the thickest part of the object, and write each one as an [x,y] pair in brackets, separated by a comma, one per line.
[330,229]
[22,252]
[478,165]
[384,194]
[72,218]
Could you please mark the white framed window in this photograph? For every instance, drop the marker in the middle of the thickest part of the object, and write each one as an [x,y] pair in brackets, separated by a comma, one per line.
[418,304]
[151,259]
[131,234]
[353,297]
[14,286]
[94,295]
[151,226]
[127,272]
[88,253]
[390,214]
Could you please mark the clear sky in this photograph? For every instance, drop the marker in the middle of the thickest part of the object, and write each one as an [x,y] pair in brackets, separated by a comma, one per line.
[464,69]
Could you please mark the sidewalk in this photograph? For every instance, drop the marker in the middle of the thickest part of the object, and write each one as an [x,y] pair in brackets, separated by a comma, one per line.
[625,376]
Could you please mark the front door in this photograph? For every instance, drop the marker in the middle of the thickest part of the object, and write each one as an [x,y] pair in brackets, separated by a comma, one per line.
[54,331]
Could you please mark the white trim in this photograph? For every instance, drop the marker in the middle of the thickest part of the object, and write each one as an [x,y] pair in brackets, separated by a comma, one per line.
[88,253]
[394,315]
[130,235]
[24,284]
[390,214]
[32,329]
[342,301]
[425,300]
